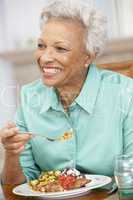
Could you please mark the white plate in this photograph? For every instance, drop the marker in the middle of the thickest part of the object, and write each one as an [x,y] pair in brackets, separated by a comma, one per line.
[96,182]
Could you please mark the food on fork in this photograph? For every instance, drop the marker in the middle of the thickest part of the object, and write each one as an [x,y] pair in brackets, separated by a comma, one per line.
[66,136]
[58,181]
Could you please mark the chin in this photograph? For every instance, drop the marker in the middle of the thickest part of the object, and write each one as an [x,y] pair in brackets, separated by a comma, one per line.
[51,83]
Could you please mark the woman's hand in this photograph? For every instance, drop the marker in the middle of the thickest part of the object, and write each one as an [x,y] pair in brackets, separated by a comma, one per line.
[12,141]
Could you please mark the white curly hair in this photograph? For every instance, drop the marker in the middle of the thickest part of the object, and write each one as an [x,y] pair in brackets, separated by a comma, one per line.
[85,11]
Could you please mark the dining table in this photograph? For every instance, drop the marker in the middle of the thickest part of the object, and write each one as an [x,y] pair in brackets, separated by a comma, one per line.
[95,194]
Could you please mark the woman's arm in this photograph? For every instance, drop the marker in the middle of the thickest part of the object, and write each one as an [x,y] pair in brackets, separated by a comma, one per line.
[11,176]
[12,171]
[19,165]
[13,144]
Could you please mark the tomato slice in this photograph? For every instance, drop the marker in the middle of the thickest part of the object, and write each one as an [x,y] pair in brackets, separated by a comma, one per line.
[67,182]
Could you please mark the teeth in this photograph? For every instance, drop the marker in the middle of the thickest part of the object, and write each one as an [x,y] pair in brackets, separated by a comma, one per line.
[51,70]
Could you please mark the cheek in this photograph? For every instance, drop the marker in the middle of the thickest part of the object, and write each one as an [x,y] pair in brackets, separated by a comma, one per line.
[37,54]
[67,60]
[37,57]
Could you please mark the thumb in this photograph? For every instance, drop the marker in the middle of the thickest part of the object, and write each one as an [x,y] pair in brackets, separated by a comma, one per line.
[10,124]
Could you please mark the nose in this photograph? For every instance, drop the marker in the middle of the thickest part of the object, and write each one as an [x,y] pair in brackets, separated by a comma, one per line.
[47,56]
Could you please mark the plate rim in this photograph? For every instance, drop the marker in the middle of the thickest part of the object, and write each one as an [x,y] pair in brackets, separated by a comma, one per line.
[69,192]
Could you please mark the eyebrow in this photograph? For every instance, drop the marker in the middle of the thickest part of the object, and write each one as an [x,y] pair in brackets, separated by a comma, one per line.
[58,42]
[39,39]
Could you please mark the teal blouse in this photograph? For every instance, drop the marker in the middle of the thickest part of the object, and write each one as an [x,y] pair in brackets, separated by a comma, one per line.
[101,118]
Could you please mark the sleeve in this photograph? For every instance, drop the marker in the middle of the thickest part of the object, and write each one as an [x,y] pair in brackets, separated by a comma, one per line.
[30,169]
[128,130]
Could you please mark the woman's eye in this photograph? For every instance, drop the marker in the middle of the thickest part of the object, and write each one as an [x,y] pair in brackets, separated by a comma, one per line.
[40,46]
[61,49]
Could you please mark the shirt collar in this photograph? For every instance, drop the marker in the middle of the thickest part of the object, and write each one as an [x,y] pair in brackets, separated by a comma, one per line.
[86,98]
[88,95]
[49,98]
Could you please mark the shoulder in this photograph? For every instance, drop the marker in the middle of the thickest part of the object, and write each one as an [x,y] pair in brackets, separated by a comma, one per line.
[32,95]
[33,92]
[36,87]
[118,88]
[115,79]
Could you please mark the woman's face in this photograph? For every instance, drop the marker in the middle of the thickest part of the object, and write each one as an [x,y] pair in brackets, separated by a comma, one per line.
[61,53]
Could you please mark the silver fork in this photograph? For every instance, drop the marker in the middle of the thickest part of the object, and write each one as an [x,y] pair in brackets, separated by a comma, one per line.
[49,138]
[46,137]
[39,135]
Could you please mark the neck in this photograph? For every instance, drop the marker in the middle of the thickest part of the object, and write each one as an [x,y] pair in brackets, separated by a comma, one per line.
[68,93]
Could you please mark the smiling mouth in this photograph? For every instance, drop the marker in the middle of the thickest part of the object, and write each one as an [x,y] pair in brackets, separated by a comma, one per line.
[51,71]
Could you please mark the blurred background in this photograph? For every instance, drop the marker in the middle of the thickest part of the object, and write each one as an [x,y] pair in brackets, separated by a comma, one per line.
[19,29]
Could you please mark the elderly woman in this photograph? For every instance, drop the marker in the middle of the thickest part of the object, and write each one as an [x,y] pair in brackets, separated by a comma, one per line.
[72,96]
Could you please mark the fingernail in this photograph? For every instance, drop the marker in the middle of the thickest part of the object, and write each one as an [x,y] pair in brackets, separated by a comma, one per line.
[22,148]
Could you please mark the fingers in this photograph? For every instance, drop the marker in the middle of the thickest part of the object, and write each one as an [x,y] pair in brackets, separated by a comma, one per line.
[14,146]
[10,125]
[15,151]
[6,132]
[17,138]
[13,141]
[21,137]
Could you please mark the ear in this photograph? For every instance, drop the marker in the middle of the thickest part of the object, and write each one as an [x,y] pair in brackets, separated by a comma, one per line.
[89,59]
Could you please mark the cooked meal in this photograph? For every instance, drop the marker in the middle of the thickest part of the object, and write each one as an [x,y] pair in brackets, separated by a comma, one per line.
[58,181]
